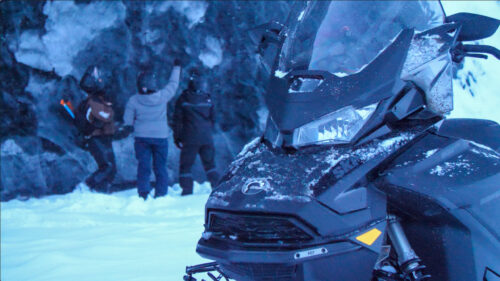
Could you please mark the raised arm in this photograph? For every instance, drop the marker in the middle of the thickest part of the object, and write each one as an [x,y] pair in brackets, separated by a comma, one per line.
[169,91]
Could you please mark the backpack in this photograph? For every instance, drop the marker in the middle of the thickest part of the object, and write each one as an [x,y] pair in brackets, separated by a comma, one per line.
[81,122]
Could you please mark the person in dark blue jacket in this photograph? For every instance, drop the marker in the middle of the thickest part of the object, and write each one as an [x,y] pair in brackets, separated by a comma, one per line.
[193,123]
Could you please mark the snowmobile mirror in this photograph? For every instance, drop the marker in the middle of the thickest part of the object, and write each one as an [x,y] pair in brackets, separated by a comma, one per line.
[268,39]
[473,26]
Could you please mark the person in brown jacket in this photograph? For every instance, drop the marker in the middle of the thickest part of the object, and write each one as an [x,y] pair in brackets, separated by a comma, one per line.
[94,118]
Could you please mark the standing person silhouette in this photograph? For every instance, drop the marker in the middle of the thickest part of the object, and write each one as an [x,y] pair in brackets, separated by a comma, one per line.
[145,115]
[94,119]
[193,124]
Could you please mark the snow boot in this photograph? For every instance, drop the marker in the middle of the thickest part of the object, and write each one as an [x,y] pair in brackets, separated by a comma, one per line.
[186,182]
[144,195]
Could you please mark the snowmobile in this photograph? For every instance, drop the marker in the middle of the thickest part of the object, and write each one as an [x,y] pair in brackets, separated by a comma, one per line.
[359,176]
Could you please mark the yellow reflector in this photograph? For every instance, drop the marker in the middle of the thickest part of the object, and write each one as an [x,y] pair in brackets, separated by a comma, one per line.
[369,237]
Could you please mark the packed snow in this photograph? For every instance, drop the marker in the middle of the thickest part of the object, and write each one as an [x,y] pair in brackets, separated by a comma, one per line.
[430,153]
[485,151]
[93,236]
[194,11]
[451,169]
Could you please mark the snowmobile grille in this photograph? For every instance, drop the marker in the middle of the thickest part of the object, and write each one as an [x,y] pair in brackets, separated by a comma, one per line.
[256,229]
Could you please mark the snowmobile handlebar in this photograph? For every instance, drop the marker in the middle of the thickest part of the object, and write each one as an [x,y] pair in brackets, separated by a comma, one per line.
[466,50]
[482,49]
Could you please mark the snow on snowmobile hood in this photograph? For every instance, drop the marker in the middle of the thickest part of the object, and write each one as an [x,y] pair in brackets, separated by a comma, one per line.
[274,177]
[339,59]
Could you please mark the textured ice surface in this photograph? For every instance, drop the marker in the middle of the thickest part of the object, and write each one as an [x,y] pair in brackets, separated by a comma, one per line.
[10,147]
[69,28]
[301,15]
[194,11]
[212,55]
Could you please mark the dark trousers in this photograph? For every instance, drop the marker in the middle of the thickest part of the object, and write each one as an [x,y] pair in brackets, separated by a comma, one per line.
[101,149]
[157,150]
[188,156]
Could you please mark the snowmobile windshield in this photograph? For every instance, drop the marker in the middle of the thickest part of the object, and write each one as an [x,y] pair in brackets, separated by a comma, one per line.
[341,37]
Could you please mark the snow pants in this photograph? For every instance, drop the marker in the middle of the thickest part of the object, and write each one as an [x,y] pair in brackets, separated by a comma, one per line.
[187,159]
[145,150]
[101,149]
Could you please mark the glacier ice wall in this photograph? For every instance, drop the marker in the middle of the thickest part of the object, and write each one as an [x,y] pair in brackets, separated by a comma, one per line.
[45,46]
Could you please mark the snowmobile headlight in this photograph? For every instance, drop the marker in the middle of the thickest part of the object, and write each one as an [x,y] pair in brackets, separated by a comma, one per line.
[337,127]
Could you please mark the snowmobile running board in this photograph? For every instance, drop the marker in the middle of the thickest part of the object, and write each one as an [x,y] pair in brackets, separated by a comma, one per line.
[207,268]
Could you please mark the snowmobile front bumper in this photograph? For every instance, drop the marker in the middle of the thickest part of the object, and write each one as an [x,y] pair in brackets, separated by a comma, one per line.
[321,262]
[219,251]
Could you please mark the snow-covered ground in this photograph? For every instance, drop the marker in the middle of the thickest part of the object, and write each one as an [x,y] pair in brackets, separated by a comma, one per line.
[92,236]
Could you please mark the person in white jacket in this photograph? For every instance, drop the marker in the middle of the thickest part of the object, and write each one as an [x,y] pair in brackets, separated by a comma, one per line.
[146,113]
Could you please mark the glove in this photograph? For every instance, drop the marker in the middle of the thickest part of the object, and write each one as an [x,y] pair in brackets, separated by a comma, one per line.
[82,141]
[178,143]
[177,62]
[123,132]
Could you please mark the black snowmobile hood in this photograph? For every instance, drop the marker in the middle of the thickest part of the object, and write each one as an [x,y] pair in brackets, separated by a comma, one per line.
[265,179]
[374,83]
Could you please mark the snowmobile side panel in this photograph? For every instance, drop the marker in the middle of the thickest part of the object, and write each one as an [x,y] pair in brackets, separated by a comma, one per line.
[448,188]
[455,173]
[485,132]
